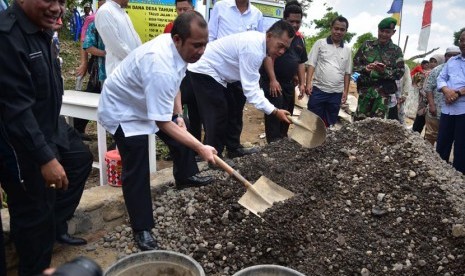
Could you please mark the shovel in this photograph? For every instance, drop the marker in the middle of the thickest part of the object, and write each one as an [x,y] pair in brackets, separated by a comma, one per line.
[309,129]
[259,196]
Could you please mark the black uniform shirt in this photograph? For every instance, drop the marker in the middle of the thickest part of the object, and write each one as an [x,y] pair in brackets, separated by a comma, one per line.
[31,87]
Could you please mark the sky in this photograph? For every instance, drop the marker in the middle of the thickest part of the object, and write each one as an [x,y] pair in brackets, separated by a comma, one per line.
[448,16]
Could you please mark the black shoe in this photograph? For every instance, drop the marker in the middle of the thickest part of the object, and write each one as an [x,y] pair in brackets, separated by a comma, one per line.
[226,160]
[241,151]
[193,181]
[145,241]
[70,240]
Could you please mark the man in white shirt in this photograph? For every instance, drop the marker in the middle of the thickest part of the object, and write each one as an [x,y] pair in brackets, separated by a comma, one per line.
[117,32]
[120,38]
[230,59]
[138,99]
[328,74]
[231,17]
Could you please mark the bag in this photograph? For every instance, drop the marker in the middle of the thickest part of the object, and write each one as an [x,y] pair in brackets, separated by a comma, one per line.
[94,85]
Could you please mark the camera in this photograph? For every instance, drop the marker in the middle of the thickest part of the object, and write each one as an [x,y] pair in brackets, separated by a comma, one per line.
[80,266]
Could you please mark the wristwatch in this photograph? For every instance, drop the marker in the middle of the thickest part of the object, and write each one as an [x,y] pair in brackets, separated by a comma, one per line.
[458,93]
[178,115]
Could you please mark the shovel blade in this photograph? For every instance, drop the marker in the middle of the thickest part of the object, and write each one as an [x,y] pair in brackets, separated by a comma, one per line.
[309,130]
[263,194]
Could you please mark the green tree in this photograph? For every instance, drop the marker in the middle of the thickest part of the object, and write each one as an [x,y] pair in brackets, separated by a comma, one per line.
[457,36]
[360,40]
[323,26]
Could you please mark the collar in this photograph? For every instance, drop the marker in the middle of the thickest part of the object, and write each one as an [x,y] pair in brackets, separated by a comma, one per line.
[232,4]
[25,23]
[330,41]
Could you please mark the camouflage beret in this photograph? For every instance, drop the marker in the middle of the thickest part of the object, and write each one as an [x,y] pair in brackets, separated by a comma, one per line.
[387,23]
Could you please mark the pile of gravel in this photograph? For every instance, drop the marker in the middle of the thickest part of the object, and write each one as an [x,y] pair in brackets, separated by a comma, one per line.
[374,199]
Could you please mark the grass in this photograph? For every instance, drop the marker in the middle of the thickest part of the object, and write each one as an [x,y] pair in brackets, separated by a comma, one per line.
[69,52]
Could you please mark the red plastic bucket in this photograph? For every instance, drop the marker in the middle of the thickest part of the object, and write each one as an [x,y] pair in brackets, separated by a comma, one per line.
[113,161]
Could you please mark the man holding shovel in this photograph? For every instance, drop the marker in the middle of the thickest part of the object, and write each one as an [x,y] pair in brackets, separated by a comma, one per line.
[138,99]
[230,59]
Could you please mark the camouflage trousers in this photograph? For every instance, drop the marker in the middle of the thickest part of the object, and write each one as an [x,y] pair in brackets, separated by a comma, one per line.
[371,104]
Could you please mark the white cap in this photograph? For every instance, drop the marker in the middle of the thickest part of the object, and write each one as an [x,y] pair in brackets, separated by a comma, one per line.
[453,49]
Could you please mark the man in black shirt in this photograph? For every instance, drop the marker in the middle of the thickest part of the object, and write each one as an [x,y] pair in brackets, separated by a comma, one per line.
[278,76]
[53,162]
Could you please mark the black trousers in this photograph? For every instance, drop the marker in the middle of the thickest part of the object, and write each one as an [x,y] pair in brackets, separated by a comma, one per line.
[213,106]
[274,128]
[36,212]
[136,173]
[2,251]
[419,123]
[194,124]
[393,113]
[236,101]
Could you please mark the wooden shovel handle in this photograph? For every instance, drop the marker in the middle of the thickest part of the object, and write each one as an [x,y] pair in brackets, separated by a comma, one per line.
[232,171]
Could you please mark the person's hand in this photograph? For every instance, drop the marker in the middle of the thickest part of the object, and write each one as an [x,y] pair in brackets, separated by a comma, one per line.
[180,122]
[49,271]
[344,98]
[379,67]
[275,88]
[401,100]
[54,175]
[432,109]
[301,91]
[376,66]
[207,153]
[370,67]
[449,95]
[308,89]
[282,114]
[81,70]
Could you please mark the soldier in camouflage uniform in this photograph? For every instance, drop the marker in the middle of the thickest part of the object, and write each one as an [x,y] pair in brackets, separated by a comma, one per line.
[380,63]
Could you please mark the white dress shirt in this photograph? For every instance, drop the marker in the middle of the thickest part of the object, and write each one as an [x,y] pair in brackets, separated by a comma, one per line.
[331,62]
[226,19]
[237,57]
[117,32]
[142,89]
